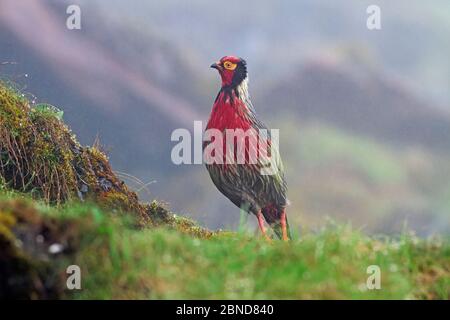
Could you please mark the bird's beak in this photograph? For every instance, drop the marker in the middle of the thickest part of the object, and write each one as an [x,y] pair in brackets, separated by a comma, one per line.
[215,65]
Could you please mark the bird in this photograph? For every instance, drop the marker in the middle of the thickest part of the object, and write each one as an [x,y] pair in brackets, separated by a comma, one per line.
[263,195]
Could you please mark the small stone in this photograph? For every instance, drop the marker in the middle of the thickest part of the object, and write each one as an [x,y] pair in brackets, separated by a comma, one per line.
[55,248]
[84,188]
[105,184]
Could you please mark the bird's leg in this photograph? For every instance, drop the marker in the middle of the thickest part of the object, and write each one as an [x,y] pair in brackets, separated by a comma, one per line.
[283,225]
[261,225]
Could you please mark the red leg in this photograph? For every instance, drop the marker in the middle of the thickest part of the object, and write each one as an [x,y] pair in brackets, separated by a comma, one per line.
[283,225]
[261,225]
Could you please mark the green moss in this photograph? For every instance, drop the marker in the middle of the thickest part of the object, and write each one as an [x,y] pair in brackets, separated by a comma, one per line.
[35,149]
[190,227]
[161,216]
[7,221]
[40,156]
[46,111]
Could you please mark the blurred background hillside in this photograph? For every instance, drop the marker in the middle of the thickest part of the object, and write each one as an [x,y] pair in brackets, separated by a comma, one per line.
[364,116]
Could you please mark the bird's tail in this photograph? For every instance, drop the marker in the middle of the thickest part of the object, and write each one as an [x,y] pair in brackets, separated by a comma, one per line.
[273,217]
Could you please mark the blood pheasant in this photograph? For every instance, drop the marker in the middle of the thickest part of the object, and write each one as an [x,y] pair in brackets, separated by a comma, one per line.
[245,183]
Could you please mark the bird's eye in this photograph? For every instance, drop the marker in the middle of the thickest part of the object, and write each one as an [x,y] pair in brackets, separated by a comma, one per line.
[229,65]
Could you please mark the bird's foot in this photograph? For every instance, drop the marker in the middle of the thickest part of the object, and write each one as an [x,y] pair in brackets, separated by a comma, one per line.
[284,226]
[262,227]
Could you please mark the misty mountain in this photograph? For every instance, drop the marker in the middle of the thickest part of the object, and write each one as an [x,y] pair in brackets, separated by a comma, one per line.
[366,103]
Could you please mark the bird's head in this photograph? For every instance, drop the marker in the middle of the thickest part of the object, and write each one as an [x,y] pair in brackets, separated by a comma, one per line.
[233,70]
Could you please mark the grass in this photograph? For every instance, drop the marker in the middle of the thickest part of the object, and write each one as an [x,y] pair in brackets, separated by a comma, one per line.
[120,261]
[331,264]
